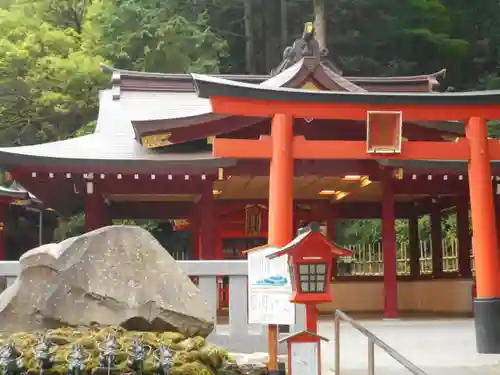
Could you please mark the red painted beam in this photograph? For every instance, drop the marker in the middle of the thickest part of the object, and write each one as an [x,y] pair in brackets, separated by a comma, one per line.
[350,111]
[332,149]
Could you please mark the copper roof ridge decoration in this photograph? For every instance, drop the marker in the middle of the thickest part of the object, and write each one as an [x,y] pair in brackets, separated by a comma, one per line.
[304,47]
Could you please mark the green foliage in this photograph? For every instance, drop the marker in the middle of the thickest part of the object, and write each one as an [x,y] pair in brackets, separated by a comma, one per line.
[399,38]
[152,36]
[49,82]
[354,232]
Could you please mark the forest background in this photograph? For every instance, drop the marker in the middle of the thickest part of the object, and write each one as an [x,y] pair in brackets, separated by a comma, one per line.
[50,51]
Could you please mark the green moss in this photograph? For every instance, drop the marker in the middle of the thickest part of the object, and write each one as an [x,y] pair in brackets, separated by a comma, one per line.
[191,355]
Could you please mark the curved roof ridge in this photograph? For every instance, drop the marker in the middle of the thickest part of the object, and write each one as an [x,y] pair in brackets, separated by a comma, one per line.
[138,74]
[340,80]
[439,74]
[262,77]
[207,86]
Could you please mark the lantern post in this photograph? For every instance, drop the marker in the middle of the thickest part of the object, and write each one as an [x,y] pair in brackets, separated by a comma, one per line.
[310,260]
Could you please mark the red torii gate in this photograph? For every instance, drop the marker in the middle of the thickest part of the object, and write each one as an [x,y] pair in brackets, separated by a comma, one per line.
[283,105]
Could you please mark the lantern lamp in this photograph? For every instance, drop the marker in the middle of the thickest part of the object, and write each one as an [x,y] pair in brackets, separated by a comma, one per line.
[310,259]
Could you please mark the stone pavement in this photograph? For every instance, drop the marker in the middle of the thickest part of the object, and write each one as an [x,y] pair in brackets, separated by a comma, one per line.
[438,346]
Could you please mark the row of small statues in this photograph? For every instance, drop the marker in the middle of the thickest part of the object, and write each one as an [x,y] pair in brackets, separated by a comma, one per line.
[11,361]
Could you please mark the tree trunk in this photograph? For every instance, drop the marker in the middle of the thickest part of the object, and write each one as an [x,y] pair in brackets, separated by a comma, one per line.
[271,40]
[284,24]
[249,39]
[320,22]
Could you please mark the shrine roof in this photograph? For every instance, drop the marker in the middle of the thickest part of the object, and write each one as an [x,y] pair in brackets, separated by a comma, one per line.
[208,86]
[17,195]
[13,193]
[303,332]
[157,110]
[112,147]
[184,109]
[16,186]
[129,80]
[302,235]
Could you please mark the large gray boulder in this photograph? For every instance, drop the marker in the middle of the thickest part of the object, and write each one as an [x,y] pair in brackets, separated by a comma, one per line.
[117,275]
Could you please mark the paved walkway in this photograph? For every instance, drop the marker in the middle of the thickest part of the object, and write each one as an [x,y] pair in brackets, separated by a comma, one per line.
[439,347]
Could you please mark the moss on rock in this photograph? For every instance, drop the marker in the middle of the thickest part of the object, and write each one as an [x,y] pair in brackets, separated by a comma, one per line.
[191,355]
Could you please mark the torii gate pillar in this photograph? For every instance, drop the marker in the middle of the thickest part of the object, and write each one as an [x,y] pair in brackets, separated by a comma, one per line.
[280,204]
[485,242]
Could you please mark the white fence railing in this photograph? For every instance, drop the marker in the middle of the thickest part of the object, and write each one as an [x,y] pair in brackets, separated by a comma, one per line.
[237,335]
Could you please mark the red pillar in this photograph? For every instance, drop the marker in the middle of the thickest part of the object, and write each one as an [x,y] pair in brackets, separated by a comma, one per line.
[437,241]
[485,243]
[331,232]
[3,209]
[389,246]
[96,215]
[207,212]
[463,237]
[414,246]
[280,204]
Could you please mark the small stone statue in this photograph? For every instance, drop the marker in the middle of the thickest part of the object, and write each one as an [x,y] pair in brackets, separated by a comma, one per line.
[11,362]
[76,360]
[137,356]
[108,349]
[163,360]
[43,356]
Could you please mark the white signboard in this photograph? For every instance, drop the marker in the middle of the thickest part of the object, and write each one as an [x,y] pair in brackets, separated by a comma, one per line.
[304,359]
[269,289]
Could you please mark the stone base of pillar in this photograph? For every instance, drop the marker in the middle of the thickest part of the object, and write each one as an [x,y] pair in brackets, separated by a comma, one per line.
[487,322]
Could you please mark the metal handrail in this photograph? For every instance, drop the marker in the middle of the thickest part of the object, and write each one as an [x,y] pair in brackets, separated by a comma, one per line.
[372,341]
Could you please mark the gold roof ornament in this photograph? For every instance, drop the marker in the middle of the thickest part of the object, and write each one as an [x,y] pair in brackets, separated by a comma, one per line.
[156,140]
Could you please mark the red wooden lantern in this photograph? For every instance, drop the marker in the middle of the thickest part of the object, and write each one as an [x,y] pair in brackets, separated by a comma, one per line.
[310,257]
[384,132]
[304,353]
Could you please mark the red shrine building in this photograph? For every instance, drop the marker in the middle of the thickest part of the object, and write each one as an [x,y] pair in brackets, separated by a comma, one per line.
[247,159]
